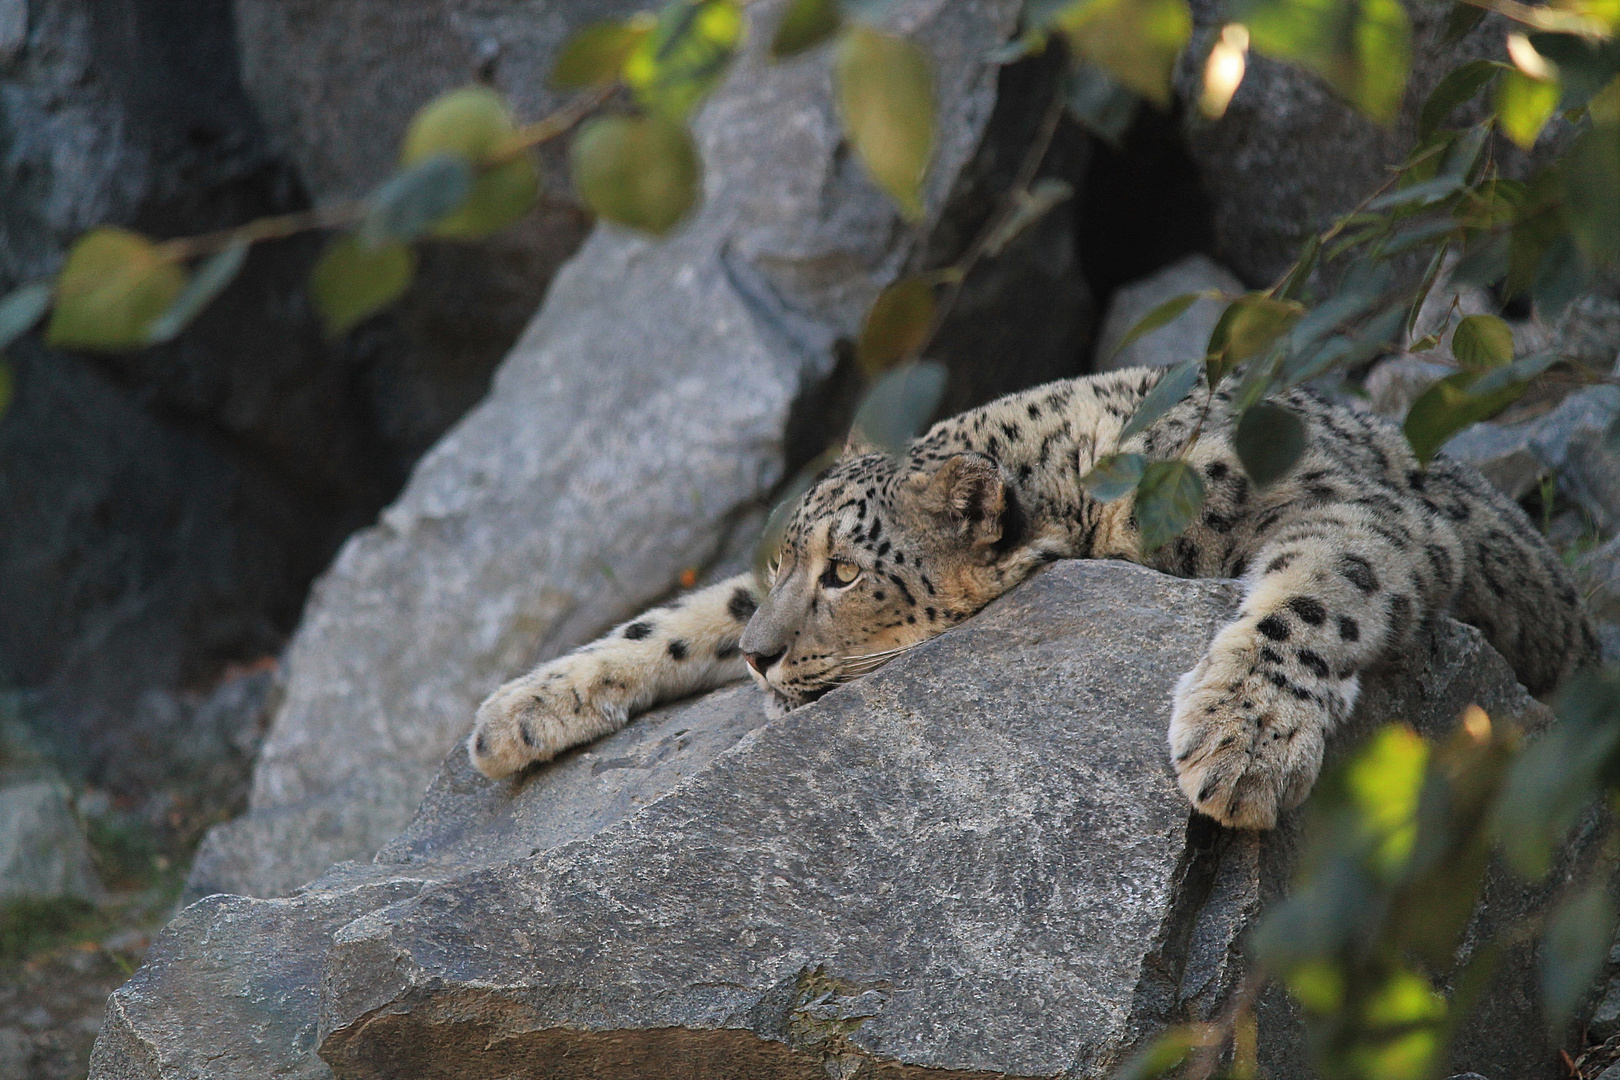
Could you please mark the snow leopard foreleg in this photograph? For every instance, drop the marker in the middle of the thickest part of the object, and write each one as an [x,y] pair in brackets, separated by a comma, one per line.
[683,648]
[1335,586]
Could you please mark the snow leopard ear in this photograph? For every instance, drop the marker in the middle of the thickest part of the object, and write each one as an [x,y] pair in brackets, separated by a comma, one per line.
[968,495]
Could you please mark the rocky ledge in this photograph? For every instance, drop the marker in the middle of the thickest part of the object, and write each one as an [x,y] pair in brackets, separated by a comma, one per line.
[972,863]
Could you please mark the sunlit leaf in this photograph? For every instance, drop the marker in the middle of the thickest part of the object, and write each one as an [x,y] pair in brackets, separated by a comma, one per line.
[1449,406]
[1166,393]
[1115,476]
[1459,85]
[1104,106]
[21,311]
[1135,41]
[1385,779]
[676,66]
[352,281]
[1403,1040]
[897,326]
[1269,440]
[417,197]
[1249,326]
[1573,952]
[637,171]
[1524,105]
[114,286]
[886,97]
[211,278]
[1482,341]
[806,24]
[595,55]
[899,405]
[1162,315]
[1168,498]
[475,124]
[1362,48]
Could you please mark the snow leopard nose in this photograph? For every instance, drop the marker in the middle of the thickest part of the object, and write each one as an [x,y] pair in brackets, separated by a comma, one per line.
[761,662]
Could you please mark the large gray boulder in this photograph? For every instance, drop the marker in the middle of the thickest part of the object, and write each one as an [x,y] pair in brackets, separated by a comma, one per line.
[972,863]
[631,437]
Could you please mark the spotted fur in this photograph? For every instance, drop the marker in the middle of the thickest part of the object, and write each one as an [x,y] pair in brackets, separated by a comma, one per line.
[1342,560]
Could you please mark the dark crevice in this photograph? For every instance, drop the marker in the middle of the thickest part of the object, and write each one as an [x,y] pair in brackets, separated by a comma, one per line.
[1142,206]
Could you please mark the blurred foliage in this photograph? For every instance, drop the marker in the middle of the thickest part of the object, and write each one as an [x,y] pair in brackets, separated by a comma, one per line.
[1373,941]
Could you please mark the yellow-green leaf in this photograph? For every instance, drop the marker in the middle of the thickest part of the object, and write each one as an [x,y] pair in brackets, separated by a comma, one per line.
[1248,327]
[1362,48]
[1482,341]
[596,54]
[114,286]
[637,171]
[1384,781]
[674,67]
[897,325]
[1168,498]
[352,281]
[474,123]
[1449,406]
[1524,105]
[886,96]
[1135,41]
[806,24]
[6,387]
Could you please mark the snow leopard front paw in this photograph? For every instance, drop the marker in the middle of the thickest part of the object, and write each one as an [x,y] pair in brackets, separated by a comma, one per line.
[534,718]
[1247,732]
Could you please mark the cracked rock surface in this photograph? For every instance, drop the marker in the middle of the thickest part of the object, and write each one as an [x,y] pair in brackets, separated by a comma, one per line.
[972,863]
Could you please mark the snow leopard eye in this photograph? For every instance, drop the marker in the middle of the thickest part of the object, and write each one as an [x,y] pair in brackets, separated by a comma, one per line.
[840,573]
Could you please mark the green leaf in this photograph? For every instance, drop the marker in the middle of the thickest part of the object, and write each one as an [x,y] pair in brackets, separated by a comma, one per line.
[1573,952]
[685,57]
[414,199]
[596,54]
[886,97]
[637,171]
[1167,392]
[1449,406]
[1485,261]
[1422,193]
[1459,85]
[1135,41]
[1592,188]
[22,309]
[897,326]
[1293,286]
[1115,476]
[1269,440]
[1248,327]
[1168,498]
[114,286]
[1361,48]
[1461,21]
[1540,223]
[899,405]
[1561,278]
[806,24]
[1524,105]
[211,279]
[352,282]
[1101,104]
[474,123]
[1162,315]
[1482,341]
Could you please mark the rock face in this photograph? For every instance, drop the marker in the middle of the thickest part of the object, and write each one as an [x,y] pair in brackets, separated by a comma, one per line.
[972,863]
[43,853]
[653,404]
[1185,337]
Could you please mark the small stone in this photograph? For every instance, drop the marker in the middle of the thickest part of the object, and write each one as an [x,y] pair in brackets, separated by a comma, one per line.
[1184,338]
[43,854]
[1605,1022]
